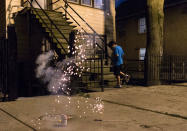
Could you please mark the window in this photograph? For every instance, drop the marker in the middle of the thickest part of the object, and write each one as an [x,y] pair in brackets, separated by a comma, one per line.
[76,1]
[86,2]
[142,25]
[99,4]
[142,53]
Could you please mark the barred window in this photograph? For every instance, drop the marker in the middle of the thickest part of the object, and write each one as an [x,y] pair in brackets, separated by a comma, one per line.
[142,25]
[76,1]
[86,2]
[99,4]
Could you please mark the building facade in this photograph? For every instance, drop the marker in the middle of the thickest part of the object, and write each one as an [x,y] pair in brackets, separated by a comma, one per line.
[100,14]
[131,28]
[36,26]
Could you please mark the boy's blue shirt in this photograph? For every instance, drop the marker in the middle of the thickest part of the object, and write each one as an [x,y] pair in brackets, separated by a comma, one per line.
[118,52]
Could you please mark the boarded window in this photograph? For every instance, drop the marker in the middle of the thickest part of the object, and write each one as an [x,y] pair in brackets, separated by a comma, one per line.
[142,25]
[99,4]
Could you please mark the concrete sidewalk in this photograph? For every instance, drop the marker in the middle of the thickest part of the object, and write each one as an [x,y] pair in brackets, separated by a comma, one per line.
[171,99]
[157,108]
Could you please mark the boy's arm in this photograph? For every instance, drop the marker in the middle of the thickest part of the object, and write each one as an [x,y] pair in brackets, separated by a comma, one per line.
[116,53]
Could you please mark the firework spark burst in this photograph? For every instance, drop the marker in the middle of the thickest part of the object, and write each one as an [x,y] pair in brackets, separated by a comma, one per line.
[59,77]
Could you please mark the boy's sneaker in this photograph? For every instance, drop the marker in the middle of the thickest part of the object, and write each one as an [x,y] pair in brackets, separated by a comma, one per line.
[118,86]
[126,79]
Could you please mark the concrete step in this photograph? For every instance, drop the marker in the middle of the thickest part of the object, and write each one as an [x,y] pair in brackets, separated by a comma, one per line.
[109,80]
[96,63]
[97,84]
[97,76]
[98,70]
[110,77]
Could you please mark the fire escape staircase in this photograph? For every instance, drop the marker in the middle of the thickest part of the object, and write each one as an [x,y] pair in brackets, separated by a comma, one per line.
[56,27]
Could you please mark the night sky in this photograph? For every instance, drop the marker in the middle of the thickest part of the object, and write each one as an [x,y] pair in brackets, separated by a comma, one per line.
[118,2]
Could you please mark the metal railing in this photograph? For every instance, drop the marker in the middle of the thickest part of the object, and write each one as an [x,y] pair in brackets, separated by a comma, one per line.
[171,68]
[66,6]
[51,21]
[93,77]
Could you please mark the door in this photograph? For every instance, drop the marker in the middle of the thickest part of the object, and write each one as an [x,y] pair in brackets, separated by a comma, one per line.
[42,3]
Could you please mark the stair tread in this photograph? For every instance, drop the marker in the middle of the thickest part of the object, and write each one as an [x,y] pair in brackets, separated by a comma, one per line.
[58,23]
[61,27]
[54,18]
[58,31]
[48,11]
[60,40]
[59,35]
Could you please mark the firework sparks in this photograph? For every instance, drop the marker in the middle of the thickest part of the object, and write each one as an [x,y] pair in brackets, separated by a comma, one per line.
[59,77]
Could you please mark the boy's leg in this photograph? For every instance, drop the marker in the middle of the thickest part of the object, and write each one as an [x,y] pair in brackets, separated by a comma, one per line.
[123,74]
[117,74]
[118,80]
[125,78]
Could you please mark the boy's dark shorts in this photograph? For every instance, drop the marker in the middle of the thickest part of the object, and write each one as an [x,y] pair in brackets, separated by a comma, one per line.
[117,70]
